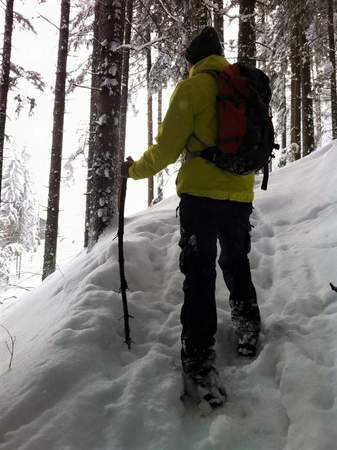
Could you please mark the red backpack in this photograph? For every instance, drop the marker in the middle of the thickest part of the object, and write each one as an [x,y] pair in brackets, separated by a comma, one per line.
[245,138]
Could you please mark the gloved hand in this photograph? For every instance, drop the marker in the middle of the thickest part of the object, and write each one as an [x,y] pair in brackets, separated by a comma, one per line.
[125,167]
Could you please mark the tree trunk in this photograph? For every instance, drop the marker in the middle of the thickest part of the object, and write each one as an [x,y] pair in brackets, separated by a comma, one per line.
[92,127]
[332,55]
[49,260]
[307,106]
[317,105]
[110,17]
[149,115]
[283,107]
[295,60]
[247,33]
[160,177]
[125,76]
[218,21]
[4,83]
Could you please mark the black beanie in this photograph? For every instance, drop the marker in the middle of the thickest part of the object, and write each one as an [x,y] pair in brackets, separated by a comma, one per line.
[205,44]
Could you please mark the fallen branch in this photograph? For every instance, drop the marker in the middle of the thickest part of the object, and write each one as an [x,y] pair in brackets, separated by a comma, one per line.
[11,346]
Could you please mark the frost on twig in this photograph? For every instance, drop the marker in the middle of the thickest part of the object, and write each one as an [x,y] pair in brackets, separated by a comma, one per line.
[10,345]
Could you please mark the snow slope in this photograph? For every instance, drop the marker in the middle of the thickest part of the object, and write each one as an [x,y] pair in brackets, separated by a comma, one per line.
[75,386]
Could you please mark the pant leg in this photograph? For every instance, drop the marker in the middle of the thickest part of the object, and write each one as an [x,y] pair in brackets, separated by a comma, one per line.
[235,244]
[198,263]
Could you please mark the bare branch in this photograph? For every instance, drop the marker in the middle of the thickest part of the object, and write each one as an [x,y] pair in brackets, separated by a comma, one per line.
[11,346]
[47,20]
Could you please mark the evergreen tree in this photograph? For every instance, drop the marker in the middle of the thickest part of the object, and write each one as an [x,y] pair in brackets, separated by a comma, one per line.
[295,62]
[247,33]
[307,104]
[49,261]
[125,73]
[19,218]
[332,56]
[218,20]
[109,16]
[150,189]
[4,81]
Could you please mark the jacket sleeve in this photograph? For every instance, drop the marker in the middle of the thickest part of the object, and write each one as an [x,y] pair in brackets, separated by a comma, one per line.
[172,137]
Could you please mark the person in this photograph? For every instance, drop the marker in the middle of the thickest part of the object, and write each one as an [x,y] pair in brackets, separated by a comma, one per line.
[214,205]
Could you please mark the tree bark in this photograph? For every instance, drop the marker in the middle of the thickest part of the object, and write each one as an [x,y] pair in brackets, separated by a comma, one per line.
[125,76]
[307,105]
[284,107]
[110,16]
[92,126]
[149,115]
[317,105]
[160,177]
[295,61]
[49,261]
[4,83]
[332,55]
[218,21]
[247,33]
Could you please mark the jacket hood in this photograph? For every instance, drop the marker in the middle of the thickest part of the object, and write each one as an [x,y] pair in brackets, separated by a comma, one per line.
[213,62]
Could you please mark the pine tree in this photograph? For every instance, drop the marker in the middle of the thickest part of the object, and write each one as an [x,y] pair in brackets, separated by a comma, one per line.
[4,82]
[307,105]
[218,20]
[332,56]
[150,188]
[160,176]
[19,219]
[295,61]
[247,33]
[49,262]
[125,74]
[92,127]
[110,16]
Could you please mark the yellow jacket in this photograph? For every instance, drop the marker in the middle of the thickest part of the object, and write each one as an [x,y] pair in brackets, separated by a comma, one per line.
[192,112]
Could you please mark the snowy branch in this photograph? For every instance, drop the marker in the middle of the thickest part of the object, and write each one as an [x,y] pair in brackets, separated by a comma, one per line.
[86,87]
[169,13]
[141,47]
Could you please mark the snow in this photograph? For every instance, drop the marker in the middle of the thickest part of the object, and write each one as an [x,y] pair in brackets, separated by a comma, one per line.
[74,385]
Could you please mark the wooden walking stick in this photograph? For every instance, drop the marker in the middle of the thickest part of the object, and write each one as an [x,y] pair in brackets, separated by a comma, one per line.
[124,284]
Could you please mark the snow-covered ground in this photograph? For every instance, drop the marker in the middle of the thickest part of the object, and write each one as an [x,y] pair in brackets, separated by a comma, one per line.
[75,386]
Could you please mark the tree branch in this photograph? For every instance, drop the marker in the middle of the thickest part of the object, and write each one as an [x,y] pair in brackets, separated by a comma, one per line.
[10,347]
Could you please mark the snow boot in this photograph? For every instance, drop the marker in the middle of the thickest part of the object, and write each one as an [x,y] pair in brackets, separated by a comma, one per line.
[247,324]
[201,380]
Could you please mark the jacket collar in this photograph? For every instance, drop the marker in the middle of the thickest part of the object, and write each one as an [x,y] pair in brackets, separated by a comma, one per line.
[213,62]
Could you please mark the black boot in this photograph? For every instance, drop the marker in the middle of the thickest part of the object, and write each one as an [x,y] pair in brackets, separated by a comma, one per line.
[247,325]
[201,379]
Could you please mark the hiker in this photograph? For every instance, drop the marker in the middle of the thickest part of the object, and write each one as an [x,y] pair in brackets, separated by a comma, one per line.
[214,204]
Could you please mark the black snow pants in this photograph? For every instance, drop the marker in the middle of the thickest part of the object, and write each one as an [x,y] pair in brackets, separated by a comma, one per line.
[203,221]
